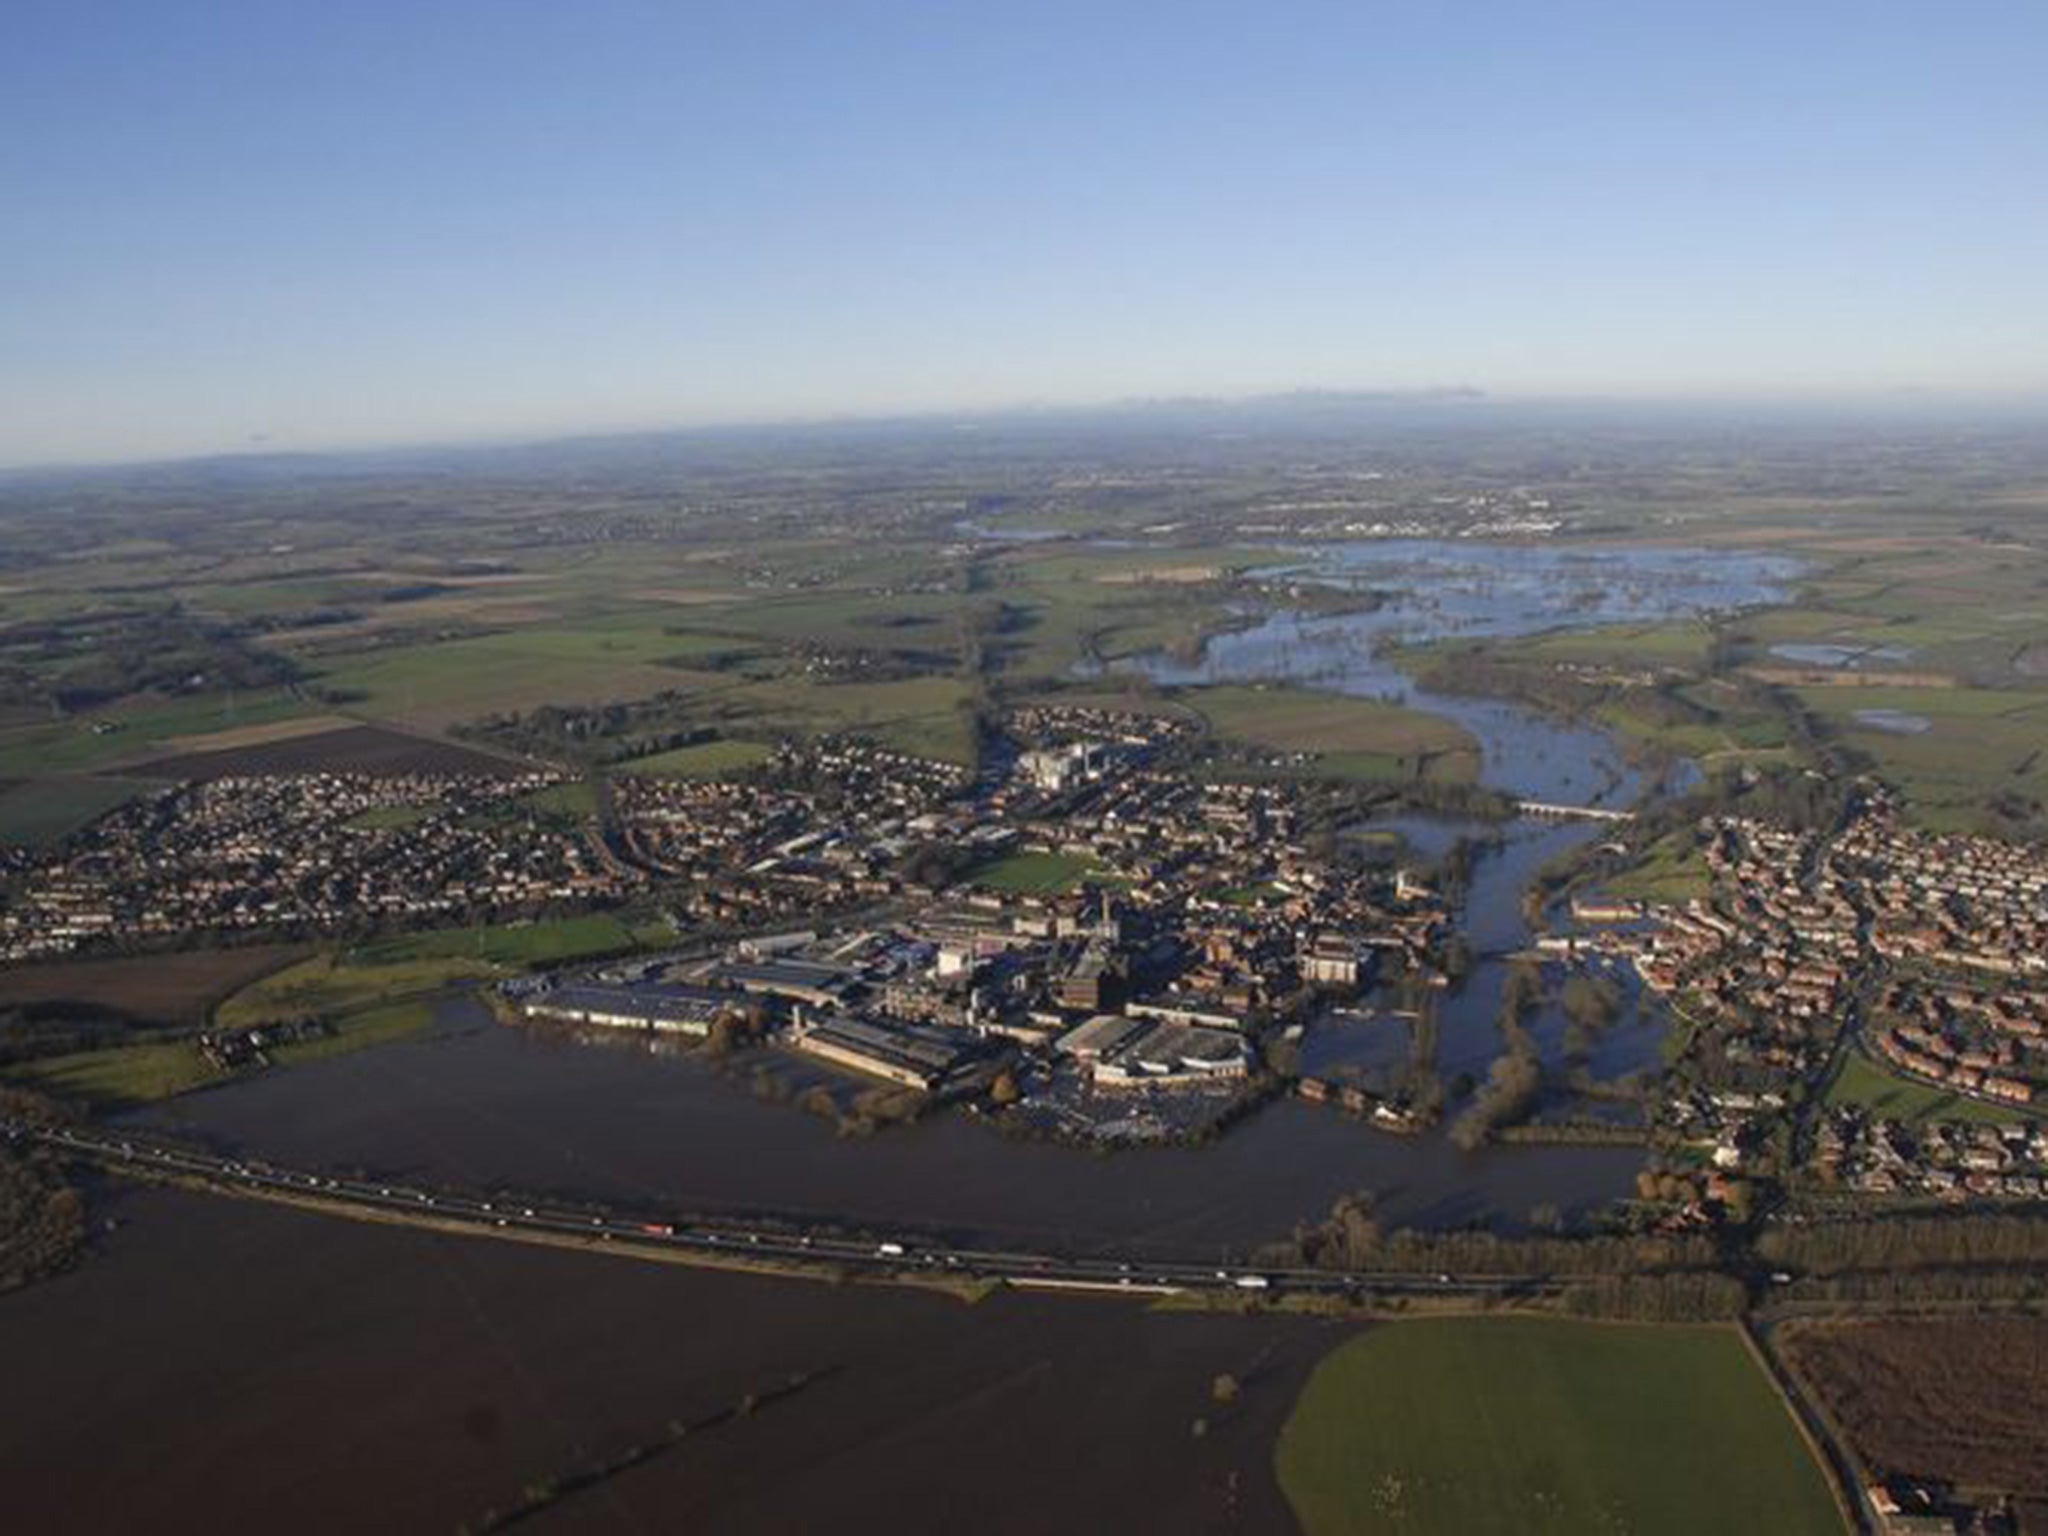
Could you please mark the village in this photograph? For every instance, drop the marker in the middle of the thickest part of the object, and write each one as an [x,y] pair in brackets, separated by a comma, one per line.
[303,853]
[1871,953]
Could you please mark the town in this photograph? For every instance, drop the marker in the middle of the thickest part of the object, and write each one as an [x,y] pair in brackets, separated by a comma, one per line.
[1183,927]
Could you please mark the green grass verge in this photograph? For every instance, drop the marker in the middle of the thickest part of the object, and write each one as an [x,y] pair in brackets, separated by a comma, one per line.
[1536,1425]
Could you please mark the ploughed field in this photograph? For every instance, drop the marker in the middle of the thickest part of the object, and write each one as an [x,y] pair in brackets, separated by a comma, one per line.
[1961,1400]
[1538,1425]
[171,989]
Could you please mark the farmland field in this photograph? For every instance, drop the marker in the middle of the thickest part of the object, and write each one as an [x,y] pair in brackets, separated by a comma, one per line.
[132,730]
[1960,1399]
[1354,737]
[434,685]
[373,1026]
[1977,743]
[1535,1425]
[151,989]
[324,986]
[123,1076]
[704,760]
[39,812]
[364,749]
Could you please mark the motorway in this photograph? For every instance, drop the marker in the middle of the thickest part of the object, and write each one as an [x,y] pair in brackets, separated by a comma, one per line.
[728,1241]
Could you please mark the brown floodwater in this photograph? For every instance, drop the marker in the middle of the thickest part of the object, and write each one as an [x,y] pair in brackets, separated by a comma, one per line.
[220,1366]
[482,1105]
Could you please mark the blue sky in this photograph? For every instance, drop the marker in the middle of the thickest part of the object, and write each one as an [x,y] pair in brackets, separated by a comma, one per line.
[301,223]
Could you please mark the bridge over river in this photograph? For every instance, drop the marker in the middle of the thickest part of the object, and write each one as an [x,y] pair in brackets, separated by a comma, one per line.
[1552,812]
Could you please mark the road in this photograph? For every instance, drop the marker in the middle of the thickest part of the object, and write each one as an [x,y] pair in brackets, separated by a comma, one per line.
[726,1241]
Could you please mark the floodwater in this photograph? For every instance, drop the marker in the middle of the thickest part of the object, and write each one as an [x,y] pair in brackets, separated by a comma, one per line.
[219,1365]
[1894,722]
[1846,657]
[483,1105]
[1437,589]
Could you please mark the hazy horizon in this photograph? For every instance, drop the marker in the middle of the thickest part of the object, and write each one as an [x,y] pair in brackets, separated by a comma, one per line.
[290,228]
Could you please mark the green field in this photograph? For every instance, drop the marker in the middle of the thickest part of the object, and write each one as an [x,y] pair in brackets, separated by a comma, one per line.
[541,943]
[146,1072]
[324,987]
[392,818]
[574,800]
[441,682]
[1034,874]
[705,760]
[133,1074]
[919,716]
[1982,742]
[1671,871]
[1683,644]
[360,1031]
[1457,1426]
[43,811]
[397,969]
[135,728]
[1351,737]
[1866,1084]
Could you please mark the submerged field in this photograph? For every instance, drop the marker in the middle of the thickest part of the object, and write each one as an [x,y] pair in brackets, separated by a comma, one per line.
[1528,1425]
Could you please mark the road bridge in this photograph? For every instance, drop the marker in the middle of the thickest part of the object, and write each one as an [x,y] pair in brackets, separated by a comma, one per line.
[1553,812]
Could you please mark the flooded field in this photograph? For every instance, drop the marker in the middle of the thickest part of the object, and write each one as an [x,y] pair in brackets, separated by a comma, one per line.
[1431,590]
[1846,657]
[1893,722]
[239,1367]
